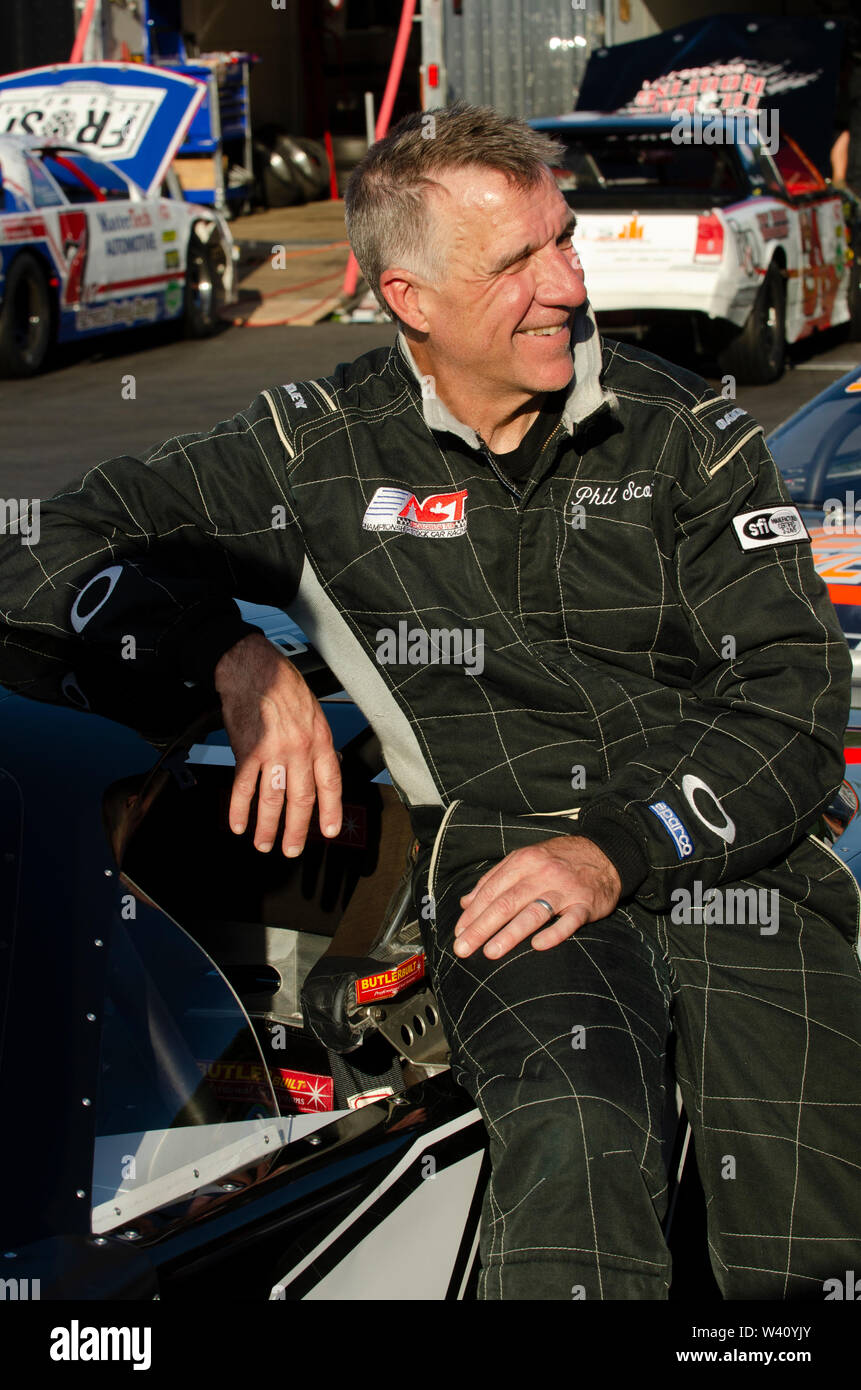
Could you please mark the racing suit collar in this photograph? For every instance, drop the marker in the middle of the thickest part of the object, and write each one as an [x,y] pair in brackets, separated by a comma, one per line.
[586,396]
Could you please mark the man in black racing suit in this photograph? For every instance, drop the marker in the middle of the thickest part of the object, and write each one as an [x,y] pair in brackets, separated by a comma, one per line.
[566,586]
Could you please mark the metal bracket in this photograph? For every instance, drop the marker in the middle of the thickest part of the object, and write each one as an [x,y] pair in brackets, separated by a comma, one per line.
[413,1026]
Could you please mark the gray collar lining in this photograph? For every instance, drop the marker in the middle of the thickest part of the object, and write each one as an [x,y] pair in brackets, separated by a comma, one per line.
[585,395]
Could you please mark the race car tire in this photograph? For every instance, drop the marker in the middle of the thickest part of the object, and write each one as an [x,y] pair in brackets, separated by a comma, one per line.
[314,167]
[756,354]
[26,323]
[203,290]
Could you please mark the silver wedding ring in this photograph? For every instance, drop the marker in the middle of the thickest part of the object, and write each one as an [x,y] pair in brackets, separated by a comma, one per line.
[545,903]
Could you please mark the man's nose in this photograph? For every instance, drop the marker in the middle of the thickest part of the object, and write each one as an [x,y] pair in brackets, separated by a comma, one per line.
[560,278]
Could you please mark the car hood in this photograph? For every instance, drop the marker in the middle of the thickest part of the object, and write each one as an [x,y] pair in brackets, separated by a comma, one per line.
[133,115]
[788,65]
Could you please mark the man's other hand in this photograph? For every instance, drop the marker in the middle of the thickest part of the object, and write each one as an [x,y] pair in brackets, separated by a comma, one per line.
[569,873]
[279,735]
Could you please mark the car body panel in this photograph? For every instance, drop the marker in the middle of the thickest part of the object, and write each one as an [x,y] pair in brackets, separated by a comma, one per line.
[133,115]
[818,451]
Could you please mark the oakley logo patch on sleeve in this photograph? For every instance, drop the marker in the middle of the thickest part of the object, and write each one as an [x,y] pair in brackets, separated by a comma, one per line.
[397,509]
[769,526]
[674,828]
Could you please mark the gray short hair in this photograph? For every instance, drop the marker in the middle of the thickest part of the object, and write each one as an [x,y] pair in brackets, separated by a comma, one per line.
[386,210]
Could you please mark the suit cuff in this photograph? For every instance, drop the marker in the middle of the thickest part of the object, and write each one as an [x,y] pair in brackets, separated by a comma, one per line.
[194,646]
[617,838]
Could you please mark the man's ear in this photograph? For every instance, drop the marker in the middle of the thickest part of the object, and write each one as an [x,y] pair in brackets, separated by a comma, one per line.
[402,291]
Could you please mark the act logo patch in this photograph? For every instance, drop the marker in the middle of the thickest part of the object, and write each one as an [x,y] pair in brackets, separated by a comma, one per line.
[769,526]
[397,509]
[674,827]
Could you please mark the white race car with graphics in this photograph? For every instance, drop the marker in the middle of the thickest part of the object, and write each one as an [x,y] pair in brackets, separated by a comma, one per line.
[694,198]
[756,249]
[95,235]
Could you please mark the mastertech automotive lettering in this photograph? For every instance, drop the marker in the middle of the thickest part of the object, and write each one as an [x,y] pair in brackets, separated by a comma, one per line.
[397,509]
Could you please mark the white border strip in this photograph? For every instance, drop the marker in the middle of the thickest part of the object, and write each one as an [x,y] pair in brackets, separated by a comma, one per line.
[411,1156]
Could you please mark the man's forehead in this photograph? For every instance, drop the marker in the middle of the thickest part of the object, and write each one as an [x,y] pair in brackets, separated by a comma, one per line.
[485,191]
[485,208]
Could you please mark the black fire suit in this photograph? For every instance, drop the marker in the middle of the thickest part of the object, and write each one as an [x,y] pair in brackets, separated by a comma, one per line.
[661,670]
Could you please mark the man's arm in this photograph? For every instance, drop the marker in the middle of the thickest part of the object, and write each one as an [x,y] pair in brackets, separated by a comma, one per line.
[144,556]
[278,732]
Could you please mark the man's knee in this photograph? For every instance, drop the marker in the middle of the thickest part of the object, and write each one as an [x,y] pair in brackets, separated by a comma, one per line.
[575,1205]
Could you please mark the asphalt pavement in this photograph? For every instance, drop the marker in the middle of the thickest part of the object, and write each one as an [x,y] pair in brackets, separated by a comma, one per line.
[134,390]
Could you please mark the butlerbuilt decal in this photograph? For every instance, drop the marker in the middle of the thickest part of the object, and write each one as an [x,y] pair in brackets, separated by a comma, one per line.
[769,526]
[674,827]
[398,509]
[389,982]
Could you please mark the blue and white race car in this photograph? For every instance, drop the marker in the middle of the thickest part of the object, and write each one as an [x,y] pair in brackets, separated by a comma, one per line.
[95,235]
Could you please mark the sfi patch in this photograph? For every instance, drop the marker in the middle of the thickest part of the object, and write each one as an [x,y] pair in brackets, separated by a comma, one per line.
[674,828]
[769,526]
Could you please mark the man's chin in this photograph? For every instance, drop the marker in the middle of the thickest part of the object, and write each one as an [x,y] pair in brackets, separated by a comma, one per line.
[551,375]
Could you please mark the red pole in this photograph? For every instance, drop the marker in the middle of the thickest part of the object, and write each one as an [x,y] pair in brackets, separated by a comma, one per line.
[385,112]
[400,53]
[83,31]
[333,177]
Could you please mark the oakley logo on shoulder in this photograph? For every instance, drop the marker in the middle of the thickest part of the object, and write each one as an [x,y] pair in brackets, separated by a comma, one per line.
[295,395]
[397,509]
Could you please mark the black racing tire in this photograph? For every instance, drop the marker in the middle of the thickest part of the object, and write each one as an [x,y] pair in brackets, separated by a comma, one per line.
[26,318]
[756,354]
[203,290]
[316,170]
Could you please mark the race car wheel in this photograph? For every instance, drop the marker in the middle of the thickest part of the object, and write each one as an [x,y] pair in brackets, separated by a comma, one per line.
[203,290]
[757,353]
[25,319]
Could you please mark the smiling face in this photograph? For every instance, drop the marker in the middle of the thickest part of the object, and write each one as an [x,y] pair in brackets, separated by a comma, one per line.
[510,269]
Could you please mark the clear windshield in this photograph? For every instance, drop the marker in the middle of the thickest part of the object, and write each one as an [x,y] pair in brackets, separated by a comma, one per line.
[184,1094]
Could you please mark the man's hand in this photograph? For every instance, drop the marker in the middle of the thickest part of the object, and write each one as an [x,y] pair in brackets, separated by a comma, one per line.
[569,872]
[280,734]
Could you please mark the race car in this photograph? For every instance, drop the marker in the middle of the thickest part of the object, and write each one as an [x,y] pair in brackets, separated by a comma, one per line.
[818,452]
[694,199]
[95,234]
[248,1086]
[758,251]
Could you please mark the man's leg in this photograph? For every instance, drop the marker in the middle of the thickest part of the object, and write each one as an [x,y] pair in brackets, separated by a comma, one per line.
[563,1051]
[769,1063]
